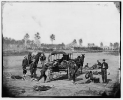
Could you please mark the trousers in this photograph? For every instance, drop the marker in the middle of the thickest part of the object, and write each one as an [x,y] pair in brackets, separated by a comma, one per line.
[104,75]
[33,72]
[42,75]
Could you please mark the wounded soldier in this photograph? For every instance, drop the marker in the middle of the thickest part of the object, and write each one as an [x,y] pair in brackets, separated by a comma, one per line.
[86,66]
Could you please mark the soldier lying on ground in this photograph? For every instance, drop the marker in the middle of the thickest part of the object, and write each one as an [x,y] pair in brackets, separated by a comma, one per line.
[86,66]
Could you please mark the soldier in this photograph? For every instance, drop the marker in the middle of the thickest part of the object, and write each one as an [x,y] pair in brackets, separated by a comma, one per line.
[33,68]
[44,69]
[24,65]
[73,70]
[86,66]
[104,71]
[34,65]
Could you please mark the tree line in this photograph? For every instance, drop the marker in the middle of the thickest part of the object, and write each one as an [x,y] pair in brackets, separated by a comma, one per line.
[27,43]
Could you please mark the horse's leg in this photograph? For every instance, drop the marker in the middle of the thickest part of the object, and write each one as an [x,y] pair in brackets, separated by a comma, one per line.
[34,72]
[31,72]
[45,77]
[81,67]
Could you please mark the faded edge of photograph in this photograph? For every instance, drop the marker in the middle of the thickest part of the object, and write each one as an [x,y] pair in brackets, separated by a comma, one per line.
[61,49]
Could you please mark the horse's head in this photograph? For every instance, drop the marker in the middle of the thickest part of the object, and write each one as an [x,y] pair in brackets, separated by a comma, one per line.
[83,56]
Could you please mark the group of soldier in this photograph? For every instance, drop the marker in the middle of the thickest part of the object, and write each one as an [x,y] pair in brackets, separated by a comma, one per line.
[103,66]
[33,62]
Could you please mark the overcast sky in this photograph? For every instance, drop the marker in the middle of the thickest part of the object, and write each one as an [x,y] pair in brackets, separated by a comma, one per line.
[94,22]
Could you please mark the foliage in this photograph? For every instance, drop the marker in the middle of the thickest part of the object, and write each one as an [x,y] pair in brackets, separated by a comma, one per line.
[80,42]
[74,41]
[52,37]
[87,48]
[26,37]
[37,39]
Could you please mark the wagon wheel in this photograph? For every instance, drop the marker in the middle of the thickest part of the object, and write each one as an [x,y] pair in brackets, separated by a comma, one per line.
[50,74]
[68,73]
[69,70]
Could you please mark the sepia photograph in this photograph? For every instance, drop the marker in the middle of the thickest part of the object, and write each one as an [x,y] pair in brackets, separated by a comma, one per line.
[61,49]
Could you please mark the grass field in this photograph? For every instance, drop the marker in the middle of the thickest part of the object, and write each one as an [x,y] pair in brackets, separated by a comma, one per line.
[12,65]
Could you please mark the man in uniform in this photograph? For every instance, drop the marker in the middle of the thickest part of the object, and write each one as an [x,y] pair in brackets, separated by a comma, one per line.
[44,69]
[104,71]
[86,66]
[73,70]
[33,68]
[24,65]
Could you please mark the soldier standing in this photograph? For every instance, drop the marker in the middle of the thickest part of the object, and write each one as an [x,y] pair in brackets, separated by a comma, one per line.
[24,64]
[104,71]
[33,68]
[73,70]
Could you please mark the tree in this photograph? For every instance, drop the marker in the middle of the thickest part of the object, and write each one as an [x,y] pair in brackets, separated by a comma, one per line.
[88,44]
[80,42]
[37,39]
[52,37]
[118,5]
[93,44]
[111,45]
[101,44]
[26,37]
[116,45]
[74,41]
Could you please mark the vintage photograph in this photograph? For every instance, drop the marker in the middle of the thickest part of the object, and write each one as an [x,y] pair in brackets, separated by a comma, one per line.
[61,49]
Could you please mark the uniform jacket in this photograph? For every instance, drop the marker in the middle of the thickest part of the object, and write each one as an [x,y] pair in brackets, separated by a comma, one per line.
[24,62]
[45,67]
[104,65]
[33,65]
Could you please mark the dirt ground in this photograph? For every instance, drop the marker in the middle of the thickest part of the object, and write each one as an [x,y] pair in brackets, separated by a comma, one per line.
[60,86]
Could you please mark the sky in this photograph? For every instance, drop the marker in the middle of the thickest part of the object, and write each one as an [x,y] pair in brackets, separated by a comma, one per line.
[94,22]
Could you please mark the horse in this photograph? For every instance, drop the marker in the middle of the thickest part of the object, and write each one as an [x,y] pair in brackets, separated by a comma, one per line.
[79,61]
[34,63]
[29,58]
